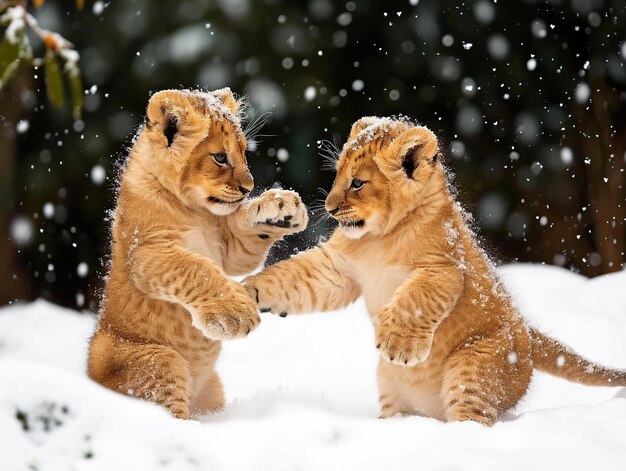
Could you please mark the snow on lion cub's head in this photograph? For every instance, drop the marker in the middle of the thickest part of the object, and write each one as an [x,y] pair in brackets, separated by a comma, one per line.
[387,168]
[193,143]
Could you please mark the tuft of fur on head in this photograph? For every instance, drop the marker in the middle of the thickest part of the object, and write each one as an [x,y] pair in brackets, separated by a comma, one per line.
[389,168]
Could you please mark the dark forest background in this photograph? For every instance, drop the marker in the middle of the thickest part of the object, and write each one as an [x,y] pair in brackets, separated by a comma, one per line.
[526,96]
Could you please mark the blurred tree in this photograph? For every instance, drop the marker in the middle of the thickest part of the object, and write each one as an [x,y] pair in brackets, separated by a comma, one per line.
[16,52]
[527,97]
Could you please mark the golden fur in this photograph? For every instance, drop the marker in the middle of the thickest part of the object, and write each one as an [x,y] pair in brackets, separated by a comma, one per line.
[452,344]
[182,224]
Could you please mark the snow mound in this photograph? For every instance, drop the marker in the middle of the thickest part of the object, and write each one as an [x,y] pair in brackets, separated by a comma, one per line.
[302,395]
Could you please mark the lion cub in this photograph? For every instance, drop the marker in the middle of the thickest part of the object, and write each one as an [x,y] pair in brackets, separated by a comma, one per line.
[182,224]
[452,344]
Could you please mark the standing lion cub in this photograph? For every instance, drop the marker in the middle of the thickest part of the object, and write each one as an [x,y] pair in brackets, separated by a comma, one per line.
[452,344]
[182,224]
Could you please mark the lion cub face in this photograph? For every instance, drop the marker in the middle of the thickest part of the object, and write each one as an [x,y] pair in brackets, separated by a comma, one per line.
[383,173]
[198,148]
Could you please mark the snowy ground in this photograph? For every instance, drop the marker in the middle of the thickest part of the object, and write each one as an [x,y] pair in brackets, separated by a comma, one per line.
[301,395]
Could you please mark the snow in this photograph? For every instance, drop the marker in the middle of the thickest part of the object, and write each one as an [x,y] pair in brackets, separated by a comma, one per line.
[98,7]
[21,230]
[14,17]
[358,85]
[484,12]
[309,93]
[301,395]
[71,58]
[48,210]
[22,126]
[82,269]
[582,93]
[567,156]
[98,174]
[282,155]
[468,87]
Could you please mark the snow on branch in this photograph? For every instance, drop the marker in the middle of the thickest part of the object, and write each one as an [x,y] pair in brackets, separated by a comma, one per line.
[15,49]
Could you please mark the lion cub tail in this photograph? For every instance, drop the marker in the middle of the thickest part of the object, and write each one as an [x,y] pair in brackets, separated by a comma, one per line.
[559,360]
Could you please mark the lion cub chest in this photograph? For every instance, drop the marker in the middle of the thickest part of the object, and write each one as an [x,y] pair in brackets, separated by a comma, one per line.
[206,242]
[379,281]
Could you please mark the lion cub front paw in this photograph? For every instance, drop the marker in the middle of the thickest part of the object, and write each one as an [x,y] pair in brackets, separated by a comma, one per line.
[279,211]
[267,297]
[403,344]
[232,315]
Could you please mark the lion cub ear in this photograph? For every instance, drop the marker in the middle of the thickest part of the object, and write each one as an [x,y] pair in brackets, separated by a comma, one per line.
[363,123]
[166,112]
[226,96]
[414,147]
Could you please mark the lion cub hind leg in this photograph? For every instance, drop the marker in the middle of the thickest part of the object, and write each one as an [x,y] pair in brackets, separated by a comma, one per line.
[392,393]
[482,379]
[209,395]
[156,373]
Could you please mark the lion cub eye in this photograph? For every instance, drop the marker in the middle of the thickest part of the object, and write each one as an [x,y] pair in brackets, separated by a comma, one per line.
[220,158]
[357,183]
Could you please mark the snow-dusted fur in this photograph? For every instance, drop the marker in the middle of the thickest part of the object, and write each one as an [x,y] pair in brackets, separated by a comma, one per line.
[451,342]
[182,224]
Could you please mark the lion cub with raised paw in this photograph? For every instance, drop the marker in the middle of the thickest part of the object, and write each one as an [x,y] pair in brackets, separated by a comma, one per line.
[182,224]
[452,344]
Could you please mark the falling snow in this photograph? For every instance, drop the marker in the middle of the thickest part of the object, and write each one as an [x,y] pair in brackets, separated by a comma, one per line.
[98,174]
[282,155]
[310,93]
[528,101]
